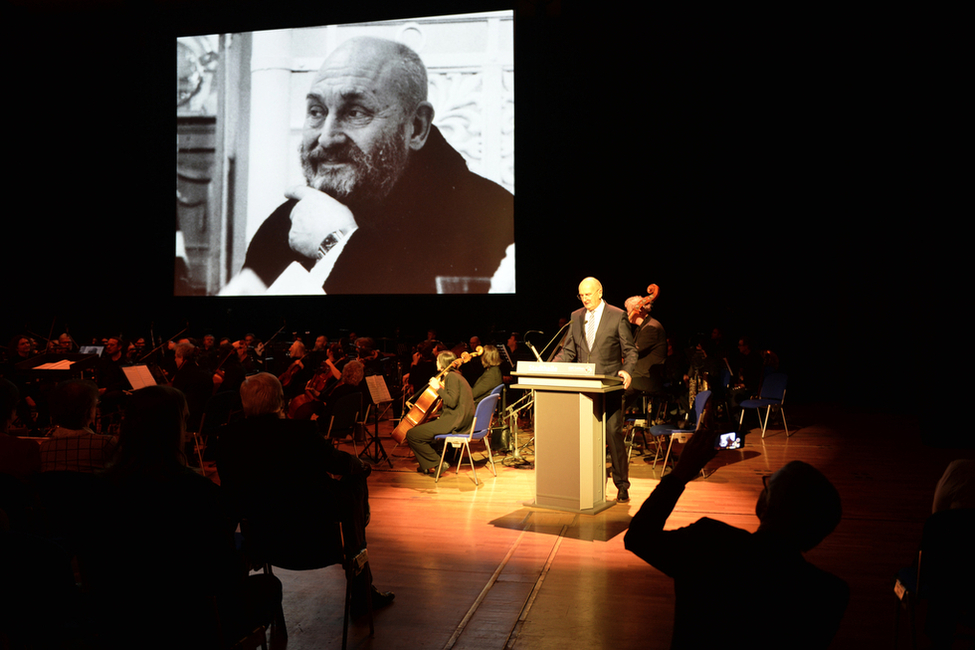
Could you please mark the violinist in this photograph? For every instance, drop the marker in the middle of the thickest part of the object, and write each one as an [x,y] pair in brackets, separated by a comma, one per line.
[458,413]
[111,380]
[228,372]
[249,355]
[351,382]
[21,349]
[422,368]
[319,387]
[195,382]
[319,351]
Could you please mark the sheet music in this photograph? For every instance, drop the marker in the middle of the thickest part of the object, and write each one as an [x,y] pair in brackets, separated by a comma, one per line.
[378,389]
[139,376]
[64,364]
[505,356]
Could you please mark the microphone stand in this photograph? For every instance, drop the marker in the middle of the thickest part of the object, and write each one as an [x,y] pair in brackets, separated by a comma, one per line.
[516,459]
[531,347]
[561,338]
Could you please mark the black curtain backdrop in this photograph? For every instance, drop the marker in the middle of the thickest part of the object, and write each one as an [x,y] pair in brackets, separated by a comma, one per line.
[756,168]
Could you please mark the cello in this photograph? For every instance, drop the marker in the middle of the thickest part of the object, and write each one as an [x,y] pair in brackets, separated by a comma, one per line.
[302,407]
[421,410]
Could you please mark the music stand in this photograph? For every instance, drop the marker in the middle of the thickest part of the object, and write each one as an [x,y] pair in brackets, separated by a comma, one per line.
[379,392]
[57,366]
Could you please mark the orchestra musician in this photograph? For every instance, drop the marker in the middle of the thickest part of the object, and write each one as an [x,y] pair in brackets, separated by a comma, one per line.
[296,377]
[194,382]
[651,345]
[325,387]
[351,382]
[490,378]
[458,412]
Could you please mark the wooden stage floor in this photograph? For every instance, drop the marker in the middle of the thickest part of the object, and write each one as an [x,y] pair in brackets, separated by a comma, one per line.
[476,568]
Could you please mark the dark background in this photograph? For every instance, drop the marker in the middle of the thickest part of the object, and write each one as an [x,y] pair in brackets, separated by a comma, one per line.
[761,169]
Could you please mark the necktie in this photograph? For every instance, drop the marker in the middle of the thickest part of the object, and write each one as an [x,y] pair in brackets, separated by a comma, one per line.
[590,329]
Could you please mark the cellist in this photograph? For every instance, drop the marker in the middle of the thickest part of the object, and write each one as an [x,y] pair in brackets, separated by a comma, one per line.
[298,373]
[325,379]
[457,413]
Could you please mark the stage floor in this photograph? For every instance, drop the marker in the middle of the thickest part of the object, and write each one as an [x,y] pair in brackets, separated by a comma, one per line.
[475,567]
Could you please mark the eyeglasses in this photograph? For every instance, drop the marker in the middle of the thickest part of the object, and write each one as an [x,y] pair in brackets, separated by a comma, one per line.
[583,296]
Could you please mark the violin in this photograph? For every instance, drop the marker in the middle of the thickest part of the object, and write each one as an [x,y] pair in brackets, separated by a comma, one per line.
[421,410]
[218,373]
[289,374]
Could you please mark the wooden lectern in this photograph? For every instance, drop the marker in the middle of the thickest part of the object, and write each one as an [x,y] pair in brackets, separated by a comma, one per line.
[570,433]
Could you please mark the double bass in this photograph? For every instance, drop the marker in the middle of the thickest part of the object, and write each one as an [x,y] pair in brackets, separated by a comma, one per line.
[652,292]
[421,410]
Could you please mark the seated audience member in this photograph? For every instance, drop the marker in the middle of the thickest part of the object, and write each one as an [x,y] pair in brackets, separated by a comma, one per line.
[73,445]
[265,455]
[718,568]
[160,556]
[956,488]
[490,378]
[18,457]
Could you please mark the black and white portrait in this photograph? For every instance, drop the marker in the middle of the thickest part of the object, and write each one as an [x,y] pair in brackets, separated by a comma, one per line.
[372,158]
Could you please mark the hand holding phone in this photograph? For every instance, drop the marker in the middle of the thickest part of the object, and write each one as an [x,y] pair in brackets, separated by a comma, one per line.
[727,441]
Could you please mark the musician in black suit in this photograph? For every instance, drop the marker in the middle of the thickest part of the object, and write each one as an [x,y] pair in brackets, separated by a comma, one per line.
[612,350]
[651,345]
[457,415]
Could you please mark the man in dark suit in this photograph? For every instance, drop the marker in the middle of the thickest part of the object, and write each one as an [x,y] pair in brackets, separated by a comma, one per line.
[600,333]
[265,461]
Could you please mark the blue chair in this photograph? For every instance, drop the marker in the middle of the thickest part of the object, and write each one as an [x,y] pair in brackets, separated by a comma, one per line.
[658,431]
[771,396]
[480,430]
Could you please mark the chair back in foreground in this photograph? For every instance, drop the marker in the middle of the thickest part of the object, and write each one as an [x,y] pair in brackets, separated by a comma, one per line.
[283,531]
[348,419]
[480,430]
